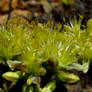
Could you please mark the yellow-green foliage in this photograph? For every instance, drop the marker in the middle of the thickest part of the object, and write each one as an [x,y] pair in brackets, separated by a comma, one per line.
[67,2]
[26,47]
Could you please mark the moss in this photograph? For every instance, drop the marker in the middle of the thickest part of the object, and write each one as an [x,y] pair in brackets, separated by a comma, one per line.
[35,49]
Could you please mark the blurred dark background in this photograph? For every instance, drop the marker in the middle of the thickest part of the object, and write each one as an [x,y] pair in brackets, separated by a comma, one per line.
[45,10]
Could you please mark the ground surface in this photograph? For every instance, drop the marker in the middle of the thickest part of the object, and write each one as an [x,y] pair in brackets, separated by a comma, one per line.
[44,10]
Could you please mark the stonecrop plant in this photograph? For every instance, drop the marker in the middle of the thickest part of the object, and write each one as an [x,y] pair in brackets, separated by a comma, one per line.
[67,2]
[34,51]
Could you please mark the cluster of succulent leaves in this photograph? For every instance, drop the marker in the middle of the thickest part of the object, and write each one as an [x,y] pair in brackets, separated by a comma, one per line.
[67,2]
[33,51]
